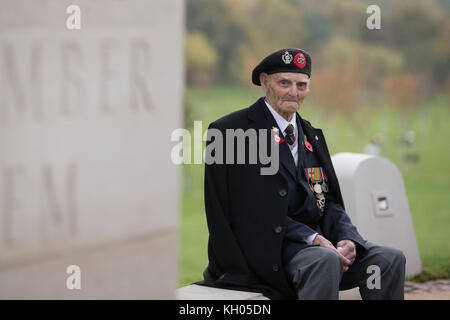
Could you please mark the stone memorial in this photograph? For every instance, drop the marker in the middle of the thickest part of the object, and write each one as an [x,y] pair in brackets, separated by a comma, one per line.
[376,201]
[90,92]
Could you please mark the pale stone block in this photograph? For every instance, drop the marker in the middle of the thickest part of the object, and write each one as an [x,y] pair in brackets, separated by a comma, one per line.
[86,118]
[196,292]
[351,294]
[376,201]
[135,268]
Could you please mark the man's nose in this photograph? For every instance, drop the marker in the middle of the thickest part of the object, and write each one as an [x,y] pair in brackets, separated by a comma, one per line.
[293,91]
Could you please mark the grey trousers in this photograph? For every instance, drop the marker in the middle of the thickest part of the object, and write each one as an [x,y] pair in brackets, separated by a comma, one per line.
[317,273]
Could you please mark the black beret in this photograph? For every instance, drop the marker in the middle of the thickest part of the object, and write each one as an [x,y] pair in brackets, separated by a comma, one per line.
[284,60]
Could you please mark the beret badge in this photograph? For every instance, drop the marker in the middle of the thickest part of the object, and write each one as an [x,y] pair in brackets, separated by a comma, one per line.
[300,60]
[286,57]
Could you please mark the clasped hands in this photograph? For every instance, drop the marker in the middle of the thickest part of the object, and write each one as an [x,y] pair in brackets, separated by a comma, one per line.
[346,249]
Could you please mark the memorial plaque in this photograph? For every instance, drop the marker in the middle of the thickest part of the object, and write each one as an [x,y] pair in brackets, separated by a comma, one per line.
[86,177]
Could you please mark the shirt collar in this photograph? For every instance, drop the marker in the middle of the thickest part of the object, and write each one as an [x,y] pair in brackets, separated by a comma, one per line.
[281,122]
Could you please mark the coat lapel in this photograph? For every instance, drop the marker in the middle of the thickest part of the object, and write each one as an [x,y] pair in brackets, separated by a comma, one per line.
[264,120]
[287,160]
[317,140]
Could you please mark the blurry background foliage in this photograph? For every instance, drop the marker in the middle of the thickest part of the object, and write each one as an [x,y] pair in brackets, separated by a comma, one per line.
[387,89]
[227,38]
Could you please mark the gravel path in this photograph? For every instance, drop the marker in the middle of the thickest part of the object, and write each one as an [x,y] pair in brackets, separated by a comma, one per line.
[431,290]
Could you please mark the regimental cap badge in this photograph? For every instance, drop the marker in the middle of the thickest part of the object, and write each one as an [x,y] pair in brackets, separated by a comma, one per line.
[300,60]
[287,57]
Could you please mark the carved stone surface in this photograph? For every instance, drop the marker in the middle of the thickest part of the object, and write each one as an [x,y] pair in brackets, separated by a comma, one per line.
[85,170]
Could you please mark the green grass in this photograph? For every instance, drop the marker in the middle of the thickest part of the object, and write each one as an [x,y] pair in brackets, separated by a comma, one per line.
[427,180]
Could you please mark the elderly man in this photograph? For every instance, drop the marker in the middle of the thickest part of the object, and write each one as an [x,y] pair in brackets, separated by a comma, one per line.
[287,235]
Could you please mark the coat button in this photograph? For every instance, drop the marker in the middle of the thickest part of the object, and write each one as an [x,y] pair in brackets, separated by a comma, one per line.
[278,229]
[282,192]
[275,268]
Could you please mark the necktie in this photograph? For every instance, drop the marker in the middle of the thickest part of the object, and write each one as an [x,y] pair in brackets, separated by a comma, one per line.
[290,135]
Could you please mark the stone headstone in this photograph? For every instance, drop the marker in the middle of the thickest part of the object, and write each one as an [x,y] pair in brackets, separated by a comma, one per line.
[86,177]
[376,201]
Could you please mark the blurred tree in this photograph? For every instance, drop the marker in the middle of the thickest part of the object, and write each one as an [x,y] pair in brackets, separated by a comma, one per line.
[413,39]
[242,70]
[243,32]
[201,57]
[333,91]
[273,25]
[440,53]
[346,18]
[413,25]
[362,60]
[401,90]
[214,20]
[269,26]
[351,73]
[318,29]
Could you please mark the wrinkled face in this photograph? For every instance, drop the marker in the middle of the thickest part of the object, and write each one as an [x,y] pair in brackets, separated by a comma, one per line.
[285,91]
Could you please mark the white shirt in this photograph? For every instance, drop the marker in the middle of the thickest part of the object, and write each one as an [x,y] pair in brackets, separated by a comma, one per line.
[282,124]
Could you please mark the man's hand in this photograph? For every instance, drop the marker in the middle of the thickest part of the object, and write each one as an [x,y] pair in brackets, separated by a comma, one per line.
[323,242]
[348,249]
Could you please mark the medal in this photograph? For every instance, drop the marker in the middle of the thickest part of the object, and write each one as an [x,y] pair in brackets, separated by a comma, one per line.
[324,176]
[315,175]
[317,188]
[321,201]
[276,137]
[316,180]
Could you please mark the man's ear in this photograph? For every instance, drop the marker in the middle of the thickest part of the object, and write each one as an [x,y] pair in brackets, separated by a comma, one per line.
[263,78]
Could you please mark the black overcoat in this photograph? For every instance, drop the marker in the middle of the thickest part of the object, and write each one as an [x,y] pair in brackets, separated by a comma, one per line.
[246,212]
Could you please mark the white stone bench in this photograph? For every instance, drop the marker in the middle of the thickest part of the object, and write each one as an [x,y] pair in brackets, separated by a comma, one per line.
[197,292]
